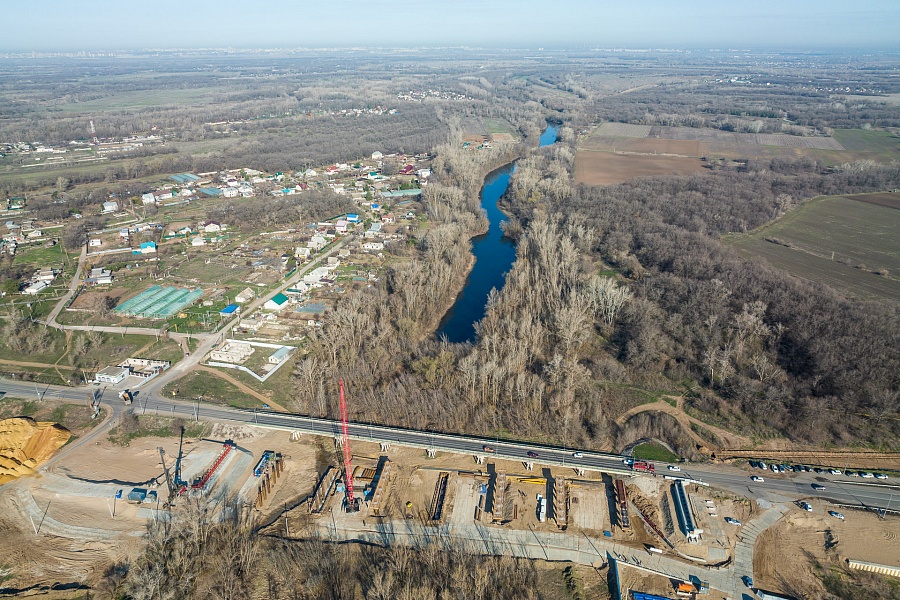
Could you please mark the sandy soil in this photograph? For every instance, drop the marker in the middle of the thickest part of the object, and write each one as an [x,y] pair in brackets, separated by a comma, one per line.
[784,554]
[606,168]
[80,525]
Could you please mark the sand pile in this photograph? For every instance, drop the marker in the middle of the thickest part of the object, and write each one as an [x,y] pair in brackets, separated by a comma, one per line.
[25,444]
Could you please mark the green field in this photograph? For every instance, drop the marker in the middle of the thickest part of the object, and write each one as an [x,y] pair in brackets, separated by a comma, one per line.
[653,451]
[885,145]
[849,245]
[499,126]
[144,99]
[214,390]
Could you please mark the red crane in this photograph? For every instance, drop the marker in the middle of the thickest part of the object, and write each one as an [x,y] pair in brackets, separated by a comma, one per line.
[345,441]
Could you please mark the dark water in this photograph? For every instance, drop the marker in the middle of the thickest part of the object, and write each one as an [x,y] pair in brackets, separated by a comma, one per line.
[494,256]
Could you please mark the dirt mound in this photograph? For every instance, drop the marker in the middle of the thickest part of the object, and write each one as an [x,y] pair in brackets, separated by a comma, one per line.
[25,444]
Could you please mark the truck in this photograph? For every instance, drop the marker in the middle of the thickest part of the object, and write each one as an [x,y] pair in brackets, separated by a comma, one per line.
[643,466]
[126,397]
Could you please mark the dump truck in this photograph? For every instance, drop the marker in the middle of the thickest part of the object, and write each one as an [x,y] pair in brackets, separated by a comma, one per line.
[643,466]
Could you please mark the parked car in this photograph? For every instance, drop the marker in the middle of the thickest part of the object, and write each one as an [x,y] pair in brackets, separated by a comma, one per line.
[753,464]
[762,465]
[818,487]
[577,455]
[732,521]
[532,454]
[851,473]
[757,479]
[818,470]
[865,475]
[806,506]
[488,449]
[836,514]
[748,581]
[880,476]
[797,468]
[835,471]
[674,468]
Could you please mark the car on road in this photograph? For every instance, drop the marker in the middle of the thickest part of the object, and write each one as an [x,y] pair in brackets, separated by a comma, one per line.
[532,454]
[836,514]
[577,455]
[488,449]
[818,487]
[674,468]
[880,476]
[757,479]
[732,521]
[806,506]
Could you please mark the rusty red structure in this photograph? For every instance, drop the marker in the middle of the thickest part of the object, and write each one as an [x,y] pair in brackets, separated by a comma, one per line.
[352,504]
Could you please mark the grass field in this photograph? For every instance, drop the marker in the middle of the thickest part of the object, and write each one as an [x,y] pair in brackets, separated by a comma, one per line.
[213,389]
[884,145]
[653,451]
[837,241]
[499,126]
[607,168]
[143,99]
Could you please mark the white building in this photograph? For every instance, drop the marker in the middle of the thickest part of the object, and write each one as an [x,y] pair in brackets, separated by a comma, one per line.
[95,242]
[148,198]
[109,207]
[36,287]
[231,192]
[112,375]
[373,246]
[232,352]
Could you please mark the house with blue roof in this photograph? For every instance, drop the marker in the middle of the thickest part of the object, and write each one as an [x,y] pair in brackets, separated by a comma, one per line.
[146,248]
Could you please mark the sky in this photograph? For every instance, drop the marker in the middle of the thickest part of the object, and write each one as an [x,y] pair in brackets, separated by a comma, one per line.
[74,25]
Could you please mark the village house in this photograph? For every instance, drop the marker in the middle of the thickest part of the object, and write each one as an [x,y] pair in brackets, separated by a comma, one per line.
[373,246]
[341,226]
[374,230]
[231,192]
[245,296]
[302,253]
[95,242]
[146,248]
[109,207]
[148,198]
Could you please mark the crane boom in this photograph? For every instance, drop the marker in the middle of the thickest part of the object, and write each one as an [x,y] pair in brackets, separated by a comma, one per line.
[345,441]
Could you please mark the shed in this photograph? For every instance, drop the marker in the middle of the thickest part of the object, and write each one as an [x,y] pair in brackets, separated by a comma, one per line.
[229,310]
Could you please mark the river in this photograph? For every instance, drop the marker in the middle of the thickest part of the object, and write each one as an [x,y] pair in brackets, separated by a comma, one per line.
[494,256]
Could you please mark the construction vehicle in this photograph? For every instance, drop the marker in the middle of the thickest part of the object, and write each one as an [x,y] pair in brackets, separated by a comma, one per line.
[643,466]
[169,483]
[351,503]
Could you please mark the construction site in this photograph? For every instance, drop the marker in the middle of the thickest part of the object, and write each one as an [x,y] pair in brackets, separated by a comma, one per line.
[659,535]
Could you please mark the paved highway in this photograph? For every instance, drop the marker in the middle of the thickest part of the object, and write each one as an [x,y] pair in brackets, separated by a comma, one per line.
[793,486]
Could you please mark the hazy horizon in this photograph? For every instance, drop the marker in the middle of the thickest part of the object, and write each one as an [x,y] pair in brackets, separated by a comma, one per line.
[104,25]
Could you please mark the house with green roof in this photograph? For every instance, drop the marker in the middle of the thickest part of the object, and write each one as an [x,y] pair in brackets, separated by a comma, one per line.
[277,302]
